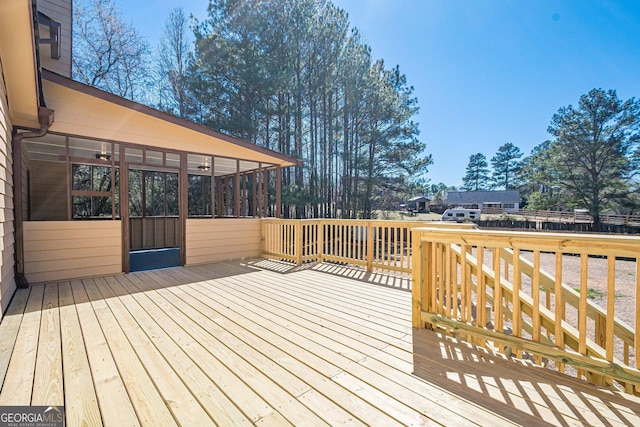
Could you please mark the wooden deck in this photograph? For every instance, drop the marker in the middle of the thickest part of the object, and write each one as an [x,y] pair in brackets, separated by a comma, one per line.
[257,342]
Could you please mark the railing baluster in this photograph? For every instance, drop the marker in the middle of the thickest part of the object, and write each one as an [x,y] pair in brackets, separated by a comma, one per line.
[515,300]
[434,276]
[535,295]
[497,293]
[481,308]
[559,307]
[582,307]
[611,294]
[369,246]
[448,301]
[465,288]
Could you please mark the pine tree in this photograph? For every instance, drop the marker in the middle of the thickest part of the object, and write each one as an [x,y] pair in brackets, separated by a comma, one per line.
[477,176]
[594,148]
[506,166]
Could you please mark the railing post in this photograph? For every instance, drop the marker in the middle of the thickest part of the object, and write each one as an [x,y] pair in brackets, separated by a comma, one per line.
[298,244]
[369,246]
[417,280]
[320,250]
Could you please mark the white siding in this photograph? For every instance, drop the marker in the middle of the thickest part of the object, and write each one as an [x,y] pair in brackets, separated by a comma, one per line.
[211,240]
[7,276]
[61,250]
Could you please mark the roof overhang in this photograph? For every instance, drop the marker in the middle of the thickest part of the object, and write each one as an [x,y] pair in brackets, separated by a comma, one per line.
[19,63]
[85,111]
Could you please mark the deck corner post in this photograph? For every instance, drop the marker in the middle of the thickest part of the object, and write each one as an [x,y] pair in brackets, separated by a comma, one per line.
[320,250]
[370,238]
[298,244]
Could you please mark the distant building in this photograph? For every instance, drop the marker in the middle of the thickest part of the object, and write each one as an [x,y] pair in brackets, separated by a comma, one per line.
[419,204]
[507,200]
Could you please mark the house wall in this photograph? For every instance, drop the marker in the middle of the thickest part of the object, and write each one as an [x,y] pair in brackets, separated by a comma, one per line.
[60,11]
[210,240]
[61,250]
[7,277]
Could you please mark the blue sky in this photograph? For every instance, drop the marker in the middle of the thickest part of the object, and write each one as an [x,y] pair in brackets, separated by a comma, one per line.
[485,72]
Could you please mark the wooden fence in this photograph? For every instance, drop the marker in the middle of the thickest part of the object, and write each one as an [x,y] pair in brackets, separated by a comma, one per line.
[565,216]
[373,244]
[489,287]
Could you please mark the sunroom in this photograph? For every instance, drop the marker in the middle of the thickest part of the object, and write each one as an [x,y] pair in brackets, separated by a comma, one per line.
[114,186]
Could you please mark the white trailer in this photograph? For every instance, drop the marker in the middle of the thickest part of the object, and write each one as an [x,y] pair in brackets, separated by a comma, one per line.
[461,215]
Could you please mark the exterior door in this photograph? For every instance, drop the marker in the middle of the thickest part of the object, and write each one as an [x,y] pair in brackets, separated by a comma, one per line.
[153,218]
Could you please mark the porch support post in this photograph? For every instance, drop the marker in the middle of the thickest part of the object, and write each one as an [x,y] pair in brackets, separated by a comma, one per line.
[260,202]
[254,193]
[278,191]
[220,184]
[236,190]
[213,187]
[124,211]
[265,189]
[183,205]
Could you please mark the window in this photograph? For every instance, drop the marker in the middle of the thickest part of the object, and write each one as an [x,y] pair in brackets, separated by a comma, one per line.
[199,194]
[92,192]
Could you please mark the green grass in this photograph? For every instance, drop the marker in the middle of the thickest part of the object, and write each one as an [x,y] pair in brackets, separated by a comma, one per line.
[594,293]
[591,293]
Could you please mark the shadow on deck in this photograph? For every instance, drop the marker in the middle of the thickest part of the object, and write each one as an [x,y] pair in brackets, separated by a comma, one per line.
[522,393]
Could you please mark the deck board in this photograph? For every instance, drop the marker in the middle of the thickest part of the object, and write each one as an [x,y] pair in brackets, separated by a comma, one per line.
[115,406]
[536,394]
[336,354]
[81,402]
[9,328]
[18,382]
[148,403]
[47,384]
[258,370]
[226,382]
[251,342]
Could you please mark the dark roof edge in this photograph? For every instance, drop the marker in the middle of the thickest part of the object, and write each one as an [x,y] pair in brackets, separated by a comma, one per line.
[115,99]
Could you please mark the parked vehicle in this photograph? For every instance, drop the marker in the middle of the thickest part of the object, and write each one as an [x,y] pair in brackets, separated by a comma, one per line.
[461,215]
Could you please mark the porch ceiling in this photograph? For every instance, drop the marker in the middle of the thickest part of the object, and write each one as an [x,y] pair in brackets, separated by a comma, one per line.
[82,110]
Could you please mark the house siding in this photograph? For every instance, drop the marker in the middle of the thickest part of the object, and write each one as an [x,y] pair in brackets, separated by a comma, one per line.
[60,11]
[7,276]
[211,240]
[62,250]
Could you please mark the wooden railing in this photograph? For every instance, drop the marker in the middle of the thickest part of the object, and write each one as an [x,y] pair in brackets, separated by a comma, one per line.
[489,287]
[372,244]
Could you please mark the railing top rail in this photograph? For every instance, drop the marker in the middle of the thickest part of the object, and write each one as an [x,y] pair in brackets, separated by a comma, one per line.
[379,222]
[564,242]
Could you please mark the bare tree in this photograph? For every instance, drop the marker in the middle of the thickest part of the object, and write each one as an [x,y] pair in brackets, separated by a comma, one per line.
[107,53]
[172,62]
